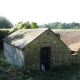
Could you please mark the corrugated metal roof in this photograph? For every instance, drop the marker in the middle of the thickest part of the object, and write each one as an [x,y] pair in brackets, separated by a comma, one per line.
[23,37]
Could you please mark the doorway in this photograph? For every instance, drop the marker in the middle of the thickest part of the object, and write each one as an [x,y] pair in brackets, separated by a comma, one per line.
[45,58]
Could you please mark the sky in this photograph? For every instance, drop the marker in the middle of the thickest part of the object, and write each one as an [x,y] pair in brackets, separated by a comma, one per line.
[41,11]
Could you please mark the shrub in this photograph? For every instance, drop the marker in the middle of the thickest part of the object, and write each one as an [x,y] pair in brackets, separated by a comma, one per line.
[3,34]
[3,62]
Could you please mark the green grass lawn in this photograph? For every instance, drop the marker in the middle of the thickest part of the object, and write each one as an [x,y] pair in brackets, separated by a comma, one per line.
[8,72]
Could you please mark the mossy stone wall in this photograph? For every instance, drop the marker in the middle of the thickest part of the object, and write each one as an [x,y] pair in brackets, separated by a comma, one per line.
[60,53]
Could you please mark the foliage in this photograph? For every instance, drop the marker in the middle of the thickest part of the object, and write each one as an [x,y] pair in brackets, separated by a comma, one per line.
[12,72]
[3,62]
[3,34]
[21,25]
[5,23]
[59,25]
[34,25]
[24,25]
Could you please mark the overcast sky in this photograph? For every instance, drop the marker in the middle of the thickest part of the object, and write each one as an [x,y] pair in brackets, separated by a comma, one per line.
[41,11]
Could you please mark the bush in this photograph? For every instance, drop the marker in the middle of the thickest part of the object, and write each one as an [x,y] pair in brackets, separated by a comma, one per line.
[3,34]
[3,62]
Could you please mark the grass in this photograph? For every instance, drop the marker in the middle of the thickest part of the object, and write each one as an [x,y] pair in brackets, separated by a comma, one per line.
[8,72]
[59,73]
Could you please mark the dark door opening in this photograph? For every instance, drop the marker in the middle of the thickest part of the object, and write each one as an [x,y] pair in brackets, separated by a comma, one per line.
[45,58]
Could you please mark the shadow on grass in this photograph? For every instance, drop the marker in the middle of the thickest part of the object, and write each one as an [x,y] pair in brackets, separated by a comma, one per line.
[58,73]
[8,72]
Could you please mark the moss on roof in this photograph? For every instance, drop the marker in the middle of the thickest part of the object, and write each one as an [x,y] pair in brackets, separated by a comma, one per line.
[23,37]
[20,38]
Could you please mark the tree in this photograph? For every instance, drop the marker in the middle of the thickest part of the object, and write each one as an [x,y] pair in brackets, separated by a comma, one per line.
[59,26]
[24,25]
[64,26]
[5,23]
[34,25]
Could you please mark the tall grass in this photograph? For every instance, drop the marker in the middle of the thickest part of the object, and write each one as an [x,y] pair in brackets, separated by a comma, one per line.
[8,72]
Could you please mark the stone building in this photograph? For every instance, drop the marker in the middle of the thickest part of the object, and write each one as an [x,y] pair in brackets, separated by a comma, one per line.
[34,48]
[71,37]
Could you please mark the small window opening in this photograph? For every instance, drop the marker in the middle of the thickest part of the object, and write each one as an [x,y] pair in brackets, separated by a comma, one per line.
[74,53]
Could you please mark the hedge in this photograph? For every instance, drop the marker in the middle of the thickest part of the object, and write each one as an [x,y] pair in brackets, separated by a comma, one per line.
[3,33]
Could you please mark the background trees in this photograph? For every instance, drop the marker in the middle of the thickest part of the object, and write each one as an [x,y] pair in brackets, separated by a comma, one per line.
[5,23]
[59,25]
[24,25]
[34,25]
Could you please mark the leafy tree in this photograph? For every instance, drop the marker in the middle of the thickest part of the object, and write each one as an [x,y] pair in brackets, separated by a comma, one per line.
[24,25]
[59,25]
[34,25]
[64,26]
[76,27]
[5,23]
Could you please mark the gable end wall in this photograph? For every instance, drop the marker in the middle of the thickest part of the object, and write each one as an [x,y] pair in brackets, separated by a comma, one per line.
[60,54]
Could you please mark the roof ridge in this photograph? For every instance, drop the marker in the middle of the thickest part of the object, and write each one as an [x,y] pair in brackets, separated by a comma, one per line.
[65,29]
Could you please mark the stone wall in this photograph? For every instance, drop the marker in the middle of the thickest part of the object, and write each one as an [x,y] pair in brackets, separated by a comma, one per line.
[13,55]
[29,56]
[75,58]
[60,53]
